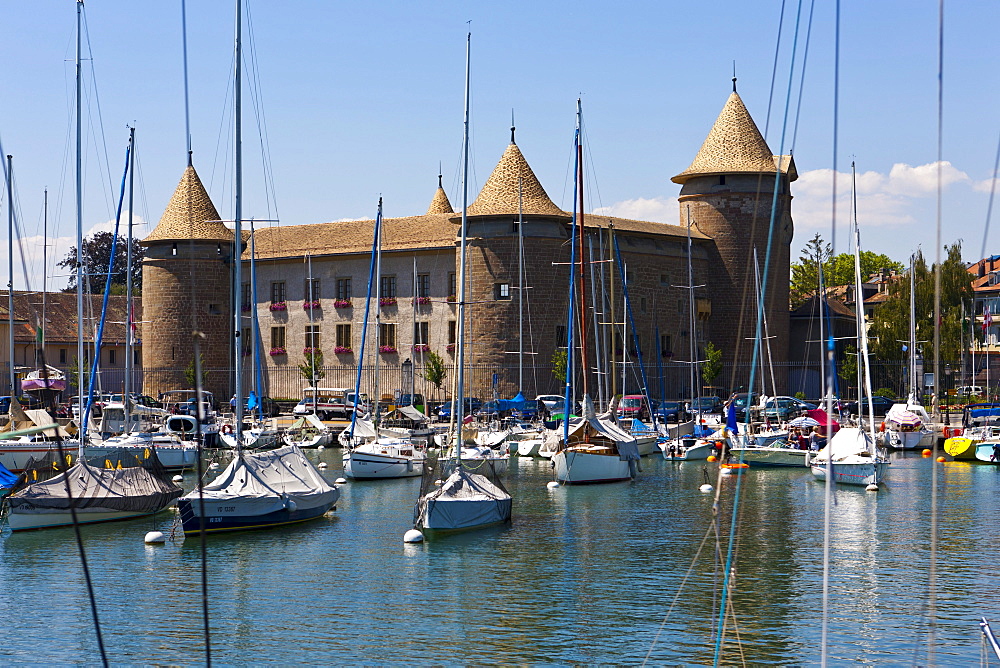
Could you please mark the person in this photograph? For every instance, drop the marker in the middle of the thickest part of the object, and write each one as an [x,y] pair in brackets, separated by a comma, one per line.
[232,403]
[816,439]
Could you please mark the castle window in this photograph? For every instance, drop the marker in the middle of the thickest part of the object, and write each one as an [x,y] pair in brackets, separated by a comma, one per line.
[665,280]
[680,306]
[421,333]
[312,336]
[387,335]
[423,285]
[277,292]
[501,291]
[247,346]
[387,286]
[311,291]
[452,284]
[247,302]
[136,356]
[213,309]
[561,336]
[277,337]
[344,336]
[722,180]
[515,228]
[173,249]
[642,304]
[111,356]
[452,331]
[343,288]
[62,355]
[218,249]
[665,350]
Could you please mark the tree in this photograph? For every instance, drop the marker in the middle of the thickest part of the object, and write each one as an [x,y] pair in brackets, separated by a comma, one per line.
[559,364]
[97,255]
[190,375]
[434,370]
[837,269]
[312,360]
[712,366]
[848,368]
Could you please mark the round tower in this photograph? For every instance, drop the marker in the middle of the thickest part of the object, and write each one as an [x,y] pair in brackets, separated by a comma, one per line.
[729,193]
[512,192]
[186,287]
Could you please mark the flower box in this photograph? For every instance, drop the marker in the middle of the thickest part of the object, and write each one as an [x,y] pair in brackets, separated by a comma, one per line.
[279,350]
[388,350]
[309,306]
[312,351]
[421,348]
[343,350]
[341,303]
[420,301]
[387,301]
[279,306]
[452,298]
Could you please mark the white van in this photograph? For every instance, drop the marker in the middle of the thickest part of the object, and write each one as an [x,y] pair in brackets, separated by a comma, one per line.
[330,402]
[969,389]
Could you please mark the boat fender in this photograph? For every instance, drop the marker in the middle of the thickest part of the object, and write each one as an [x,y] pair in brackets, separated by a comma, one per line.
[227,429]
[290,505]
[882,426]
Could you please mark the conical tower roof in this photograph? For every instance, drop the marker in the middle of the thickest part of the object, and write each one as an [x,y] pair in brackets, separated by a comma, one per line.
[190,215]
[500,194]
[734,146]
[440,203]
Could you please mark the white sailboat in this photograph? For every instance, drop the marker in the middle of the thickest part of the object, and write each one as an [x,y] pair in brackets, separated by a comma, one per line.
[261,489]
[851,456]
[464,500]
[369,451]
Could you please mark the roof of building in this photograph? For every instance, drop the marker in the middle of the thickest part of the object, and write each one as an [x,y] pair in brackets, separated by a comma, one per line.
[190,214]
[810,308]
[60,316]
[735,146]
[510,178]
[440,202]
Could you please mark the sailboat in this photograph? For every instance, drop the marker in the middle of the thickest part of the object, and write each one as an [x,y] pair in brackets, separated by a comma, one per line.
[371,452]
[59,490]
[463,500]
[261,489]
[591,448]
[851,455]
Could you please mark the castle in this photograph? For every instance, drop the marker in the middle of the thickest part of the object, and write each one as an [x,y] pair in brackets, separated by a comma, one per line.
[515,234]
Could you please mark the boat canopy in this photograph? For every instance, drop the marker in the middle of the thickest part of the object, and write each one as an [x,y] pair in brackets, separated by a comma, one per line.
[517,403]
[463,500]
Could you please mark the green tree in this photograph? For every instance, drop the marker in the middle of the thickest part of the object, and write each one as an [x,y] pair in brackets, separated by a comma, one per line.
[837,269]
[190,375]
[73,373]
[312,360]
[434,369]
[712,366]
[559,364]
[848,369]
[97,256]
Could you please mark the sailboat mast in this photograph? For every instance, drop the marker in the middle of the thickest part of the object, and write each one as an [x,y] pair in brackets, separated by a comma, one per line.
[312,357]
[571,315]
[913,334]
[45,266]
[80,362]
[584,367]
[10,269]
[863,365]
[692,347]
[597,335]
[458,407]
[238,232]
[128,281]
[520,284]
[378,318]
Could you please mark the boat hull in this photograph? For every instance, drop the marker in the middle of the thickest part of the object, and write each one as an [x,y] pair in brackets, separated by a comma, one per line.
[765,457]
[988,452]
[961,447]
[574,467]
[224,516]
[863,474]
[908,440]
[529,448]
[173,458]
[15,456]
[699,451]
[361,465]
[48,520]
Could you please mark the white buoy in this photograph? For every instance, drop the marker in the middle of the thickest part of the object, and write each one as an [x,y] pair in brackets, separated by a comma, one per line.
[727,471]
[322,465]
[413,536]
[341,481]
[320,447]
[155,537]
[871,488]
[552,484]
[178,478]
[439,482]
[213,465]
[706,488]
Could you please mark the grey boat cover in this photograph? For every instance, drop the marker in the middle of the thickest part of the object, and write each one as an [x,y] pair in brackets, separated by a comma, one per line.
[601,426]
[265,482]
[464,501]
[127,481]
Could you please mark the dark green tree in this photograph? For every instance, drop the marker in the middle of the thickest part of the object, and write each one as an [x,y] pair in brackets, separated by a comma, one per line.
[190,375]
[712,366]
[96,256]
[559,365]
[434,369]
[312,361]
[837,269]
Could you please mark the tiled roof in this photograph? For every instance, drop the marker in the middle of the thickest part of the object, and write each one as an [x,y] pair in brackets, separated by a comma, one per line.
[60,316]
[190,214]
[440,203]
[735,146]
[811,308]
[500,194]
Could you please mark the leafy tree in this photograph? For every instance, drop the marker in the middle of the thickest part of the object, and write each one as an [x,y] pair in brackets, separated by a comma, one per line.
[837,269]
[434,369]
[311,360]
[97,255]
[848,368]
[559,364]
[73,373]
[190,375]
[712,366]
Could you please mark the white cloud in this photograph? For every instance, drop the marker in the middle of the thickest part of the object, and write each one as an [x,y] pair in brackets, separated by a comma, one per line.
[654,209]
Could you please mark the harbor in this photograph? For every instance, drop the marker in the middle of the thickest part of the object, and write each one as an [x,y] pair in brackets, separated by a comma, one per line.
[586,574]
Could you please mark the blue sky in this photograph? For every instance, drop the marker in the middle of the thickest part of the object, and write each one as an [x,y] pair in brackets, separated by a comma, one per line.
[364,99]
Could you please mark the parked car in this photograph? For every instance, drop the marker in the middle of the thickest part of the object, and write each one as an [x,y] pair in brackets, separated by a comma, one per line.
[703,405]
[416,400]
[552,402]
[881,406]
[742,400]
[472,405]
[668,411]
[529,411]
[331,402]
[785,408]
[489,410]
[27,401]
[634,406]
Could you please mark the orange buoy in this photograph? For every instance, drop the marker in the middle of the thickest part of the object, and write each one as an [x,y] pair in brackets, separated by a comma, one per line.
[941,460]
[926,452]
[713,458]
[882,426]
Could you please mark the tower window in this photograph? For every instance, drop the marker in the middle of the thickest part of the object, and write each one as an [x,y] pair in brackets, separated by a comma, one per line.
[344,336]
[423,285]
[311,292]
[561,336]
[665,350]
[247,301]
[665,279]
[421,333]
[111,356]
[213,309]
[62,355]
[277,292]
[501,291]
[452,332]
[642,304]
[722,180]
[277,337]
[452,284]
[343,288]
[173,249]
[387,335]
[312,337]
[387,286]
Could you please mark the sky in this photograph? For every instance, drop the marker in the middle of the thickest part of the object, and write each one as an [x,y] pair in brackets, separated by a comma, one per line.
[346,102]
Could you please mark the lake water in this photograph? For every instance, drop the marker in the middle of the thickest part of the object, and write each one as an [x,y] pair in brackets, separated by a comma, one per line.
[582,575]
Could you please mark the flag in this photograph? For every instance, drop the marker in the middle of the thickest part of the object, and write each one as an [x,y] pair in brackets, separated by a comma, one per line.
[987,320]
[731,416]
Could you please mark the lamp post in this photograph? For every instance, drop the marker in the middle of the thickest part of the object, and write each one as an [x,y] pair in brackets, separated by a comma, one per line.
[947,390]
[407,367]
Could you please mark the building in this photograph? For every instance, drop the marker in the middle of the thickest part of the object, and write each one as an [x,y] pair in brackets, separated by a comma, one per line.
[312,281]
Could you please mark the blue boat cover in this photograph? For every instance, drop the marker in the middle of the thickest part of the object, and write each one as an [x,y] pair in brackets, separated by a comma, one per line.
[517,403]
[984,412]
[7,479]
